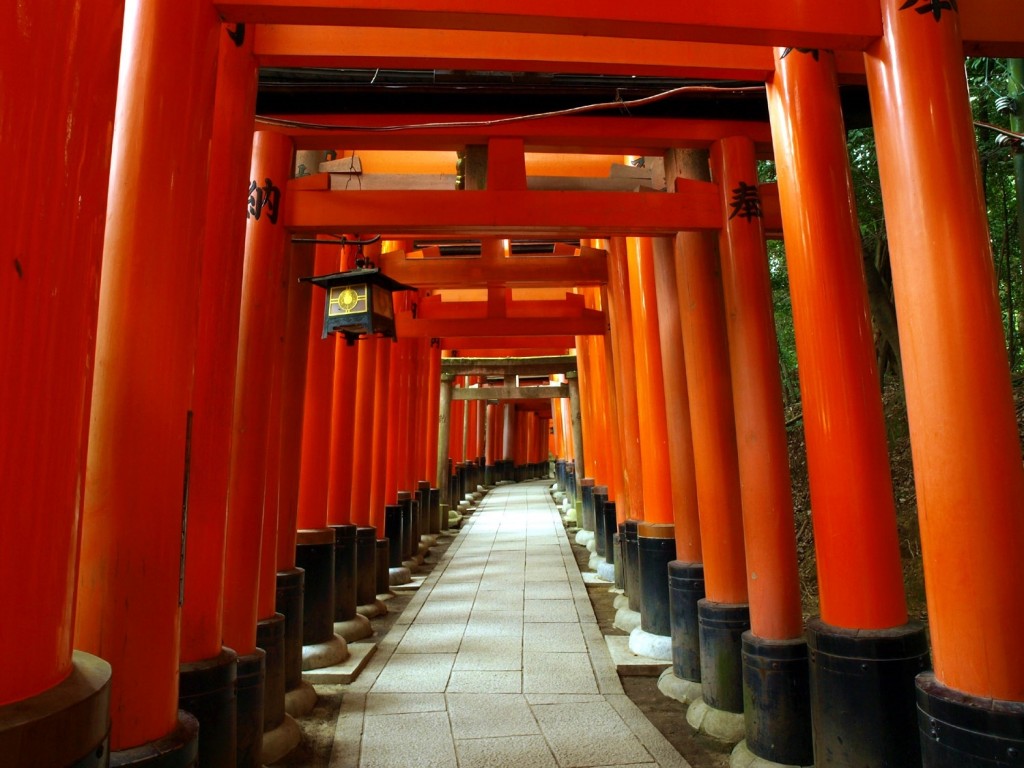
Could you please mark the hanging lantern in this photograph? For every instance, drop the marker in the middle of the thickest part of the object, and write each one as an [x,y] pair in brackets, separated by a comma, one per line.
[359,302]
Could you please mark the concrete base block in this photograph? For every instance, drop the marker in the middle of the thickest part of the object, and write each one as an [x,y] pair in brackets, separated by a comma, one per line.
[399,576]
[716,723]
[650,645]
[595,561]
[606,570]
[621,601]
[591,544]
[300,700]
[343,674]
[629,664]
[334,651]
[356,628]
[280,741]
[429,539]
[626,620]
[583,536]
[589,577]
[683,691]
[411,586]
[371,610]
[742,757]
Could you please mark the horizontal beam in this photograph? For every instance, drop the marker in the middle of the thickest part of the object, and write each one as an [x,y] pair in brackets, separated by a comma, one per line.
[851,24]
[508,366]
[282,45]
[506,214]
[511,393]
[406,326]
[512,345]
[583,135]
[515,271]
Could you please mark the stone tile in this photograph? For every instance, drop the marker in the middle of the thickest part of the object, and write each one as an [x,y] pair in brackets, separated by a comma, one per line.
[547,573]
[649,736]
[607,739]
[404,703]
[548,590]
[553,637]
[485,681]
[508,752]
[431,638]
[422,739]
[490,715]
[564,698]
[558,673]
[499,600]
[497,653]
[415,673]
[495,624]
[456,612]
[502,583]
[549,610]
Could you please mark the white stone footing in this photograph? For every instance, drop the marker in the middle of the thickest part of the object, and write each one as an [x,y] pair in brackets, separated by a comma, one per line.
[650,645]
[334,651]
[606,570]
[626,620]
[280,741]
[742,757]
[356,628]
[716,723]
[683,691]
[345,672]
[583,536]
[300,700]
[370,610]
[399,576]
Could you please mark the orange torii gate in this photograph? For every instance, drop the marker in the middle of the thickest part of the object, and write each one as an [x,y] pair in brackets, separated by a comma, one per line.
[966,450]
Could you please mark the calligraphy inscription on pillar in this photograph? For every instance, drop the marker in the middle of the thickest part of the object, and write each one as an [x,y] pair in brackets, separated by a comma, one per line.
[266,198]
[934,7]
[746,202]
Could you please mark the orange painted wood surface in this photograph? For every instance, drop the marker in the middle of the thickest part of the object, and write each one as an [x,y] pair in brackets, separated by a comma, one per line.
[847,459]
[128,609]
[53,241]
[966,451]
[761,442]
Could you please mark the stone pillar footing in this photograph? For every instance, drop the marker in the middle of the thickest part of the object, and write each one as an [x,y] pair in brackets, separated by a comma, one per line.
[356,628]
[626,619]
[399,576]
[725,726]
[742,757]
[683,691]
[650,645]
[206,690]
[327,654]
[281,740]
[77,708]
[300,700]
[862,693]
[372,610]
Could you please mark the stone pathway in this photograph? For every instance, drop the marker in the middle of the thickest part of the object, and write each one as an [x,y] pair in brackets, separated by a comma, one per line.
[497,661]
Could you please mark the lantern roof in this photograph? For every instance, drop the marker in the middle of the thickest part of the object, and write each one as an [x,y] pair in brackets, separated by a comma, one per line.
[373,276]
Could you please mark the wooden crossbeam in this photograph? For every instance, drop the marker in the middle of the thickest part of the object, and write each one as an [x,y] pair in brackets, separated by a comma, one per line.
[515,271]
[506,214]
[511,393]
[593,323]
[509,366]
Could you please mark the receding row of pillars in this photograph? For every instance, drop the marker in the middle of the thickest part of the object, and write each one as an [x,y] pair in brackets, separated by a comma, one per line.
[699,493]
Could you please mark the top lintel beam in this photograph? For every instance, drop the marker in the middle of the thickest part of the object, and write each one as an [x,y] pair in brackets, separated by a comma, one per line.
[510,366]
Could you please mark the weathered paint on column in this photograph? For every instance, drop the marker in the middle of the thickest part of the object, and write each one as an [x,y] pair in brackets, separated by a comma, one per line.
[362,429]
[433,394]
[761,444]
[443,429]
[128,609]
[262,321]
[378,434]
[963,431]
[575,417]
[343,403]
[53,239]
[847,458]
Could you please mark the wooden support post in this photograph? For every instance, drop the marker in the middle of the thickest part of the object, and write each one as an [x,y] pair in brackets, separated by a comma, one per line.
[362,457]
[129,594]
[379,434]
[341,449]
[575,420]
[859,574]
[443,429]
[53,243]
[967,456]
[432,392]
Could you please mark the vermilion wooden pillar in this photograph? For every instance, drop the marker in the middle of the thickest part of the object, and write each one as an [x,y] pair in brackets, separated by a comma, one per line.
[208,671]
[341,448]
[378,434]
[48,308]
[129,597]
[722,615]
[620,317]
[863,610]
[967,458]
[778,722]
[362,424]
[433,399]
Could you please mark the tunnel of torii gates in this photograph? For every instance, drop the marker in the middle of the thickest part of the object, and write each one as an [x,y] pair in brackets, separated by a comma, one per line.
[202,498]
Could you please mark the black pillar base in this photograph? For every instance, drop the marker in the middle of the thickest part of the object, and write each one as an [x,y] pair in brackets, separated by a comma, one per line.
[656,547]
[249,703]
[685,590]
[381,567]
[366,566]
[290,588]
[610,526]
[776,699]
[206,690]
[862,694]
[721,663]
[405,502]
[68,724]
[587,485]
[314,554]
[620,561]
[600,499]
[270,637]
[345,572]
[178,749]
[631,564]
[963,731]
